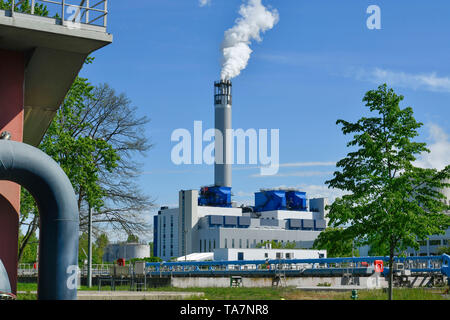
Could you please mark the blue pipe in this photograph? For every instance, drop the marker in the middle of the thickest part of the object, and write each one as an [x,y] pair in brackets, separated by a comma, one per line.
[58,211]
[444,258]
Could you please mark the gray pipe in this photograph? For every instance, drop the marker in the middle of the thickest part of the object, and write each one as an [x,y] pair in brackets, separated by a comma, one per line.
[59,219]
[5,287]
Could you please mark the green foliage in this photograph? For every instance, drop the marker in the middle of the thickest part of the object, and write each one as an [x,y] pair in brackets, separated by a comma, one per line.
[391,203]
[151,248]
[151,259]
[277,245]
[25,7]
[267,293]
[98,246]
[102,241]
[81,157]
[29,254]
[132,238]
[336,241]
[443,250]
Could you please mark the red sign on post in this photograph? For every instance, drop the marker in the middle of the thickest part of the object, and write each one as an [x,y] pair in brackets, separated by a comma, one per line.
[379,266]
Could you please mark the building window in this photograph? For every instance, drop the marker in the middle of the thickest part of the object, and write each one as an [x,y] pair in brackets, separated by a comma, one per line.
[209,245]
[240,243]
[435,242]
[200,245]
[214,243]
[266,255]
[226,243]
[445,242]
[204,245]
[248,243]
[232,243]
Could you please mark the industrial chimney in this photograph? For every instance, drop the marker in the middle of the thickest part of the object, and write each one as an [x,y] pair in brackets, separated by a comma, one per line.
[223,138]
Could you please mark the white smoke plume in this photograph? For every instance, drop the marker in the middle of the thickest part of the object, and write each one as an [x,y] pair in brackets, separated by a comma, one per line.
[203,3]
[255,19]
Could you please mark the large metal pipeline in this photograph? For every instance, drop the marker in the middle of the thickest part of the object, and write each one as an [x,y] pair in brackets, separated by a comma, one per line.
[58,211]
[5,287]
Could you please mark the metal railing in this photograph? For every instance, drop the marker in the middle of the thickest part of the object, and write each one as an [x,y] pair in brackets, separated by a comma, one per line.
[90,12]
[426,264]
[27,269]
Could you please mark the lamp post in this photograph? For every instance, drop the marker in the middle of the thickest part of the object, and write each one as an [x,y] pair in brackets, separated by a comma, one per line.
[89,275]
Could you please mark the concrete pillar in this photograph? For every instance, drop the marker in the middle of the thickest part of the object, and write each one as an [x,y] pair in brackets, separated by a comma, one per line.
[12,65]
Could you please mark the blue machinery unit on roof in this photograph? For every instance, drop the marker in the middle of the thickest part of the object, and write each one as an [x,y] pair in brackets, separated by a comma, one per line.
[265,200]
[269,200]
[215,196]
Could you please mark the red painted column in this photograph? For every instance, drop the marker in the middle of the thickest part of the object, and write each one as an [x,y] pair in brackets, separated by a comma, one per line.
[12,66]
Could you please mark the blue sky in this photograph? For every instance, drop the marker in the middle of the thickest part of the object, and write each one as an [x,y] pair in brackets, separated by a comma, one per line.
[312,68]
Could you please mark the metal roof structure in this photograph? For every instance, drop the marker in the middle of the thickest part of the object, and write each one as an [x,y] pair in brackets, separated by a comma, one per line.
[55,49]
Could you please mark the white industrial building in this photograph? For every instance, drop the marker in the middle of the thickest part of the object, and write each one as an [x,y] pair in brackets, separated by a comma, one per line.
[192,228]
[127,251]
[207,220]
[264,254]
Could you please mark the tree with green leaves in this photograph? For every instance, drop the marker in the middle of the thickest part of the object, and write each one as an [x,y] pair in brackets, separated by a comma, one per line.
[132,238]
[336,241]
[24,6]
[98,248]
[391,203]
[277,244]
[30,252]
[443,250]
[94,137]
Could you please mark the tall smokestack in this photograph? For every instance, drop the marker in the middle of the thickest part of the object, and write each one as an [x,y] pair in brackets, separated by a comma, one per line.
[223,138]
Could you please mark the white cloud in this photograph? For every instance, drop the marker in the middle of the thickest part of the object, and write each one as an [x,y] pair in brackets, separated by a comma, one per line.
[424,81]
[295,174]
[293,164]
[318,191]
[439,147]
[308,164]
[203,3]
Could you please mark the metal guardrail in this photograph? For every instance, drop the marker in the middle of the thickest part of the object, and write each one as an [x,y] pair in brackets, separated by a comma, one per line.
[424,264]
[90,12]
[421,264]
[25,269]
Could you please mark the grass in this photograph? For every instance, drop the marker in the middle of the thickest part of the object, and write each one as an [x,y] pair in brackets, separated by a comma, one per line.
[289,293]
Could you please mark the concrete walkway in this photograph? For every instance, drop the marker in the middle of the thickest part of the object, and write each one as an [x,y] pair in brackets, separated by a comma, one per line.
[336,288]
[133,295]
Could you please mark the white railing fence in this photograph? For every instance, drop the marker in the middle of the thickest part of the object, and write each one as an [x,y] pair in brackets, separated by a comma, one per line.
[92,12]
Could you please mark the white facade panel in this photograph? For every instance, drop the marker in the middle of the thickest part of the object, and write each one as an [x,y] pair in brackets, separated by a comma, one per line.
[223,254]
[286,214]
[210,211]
